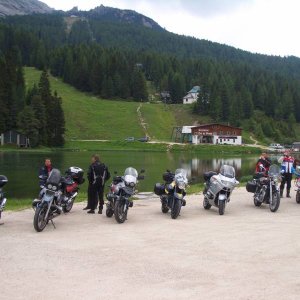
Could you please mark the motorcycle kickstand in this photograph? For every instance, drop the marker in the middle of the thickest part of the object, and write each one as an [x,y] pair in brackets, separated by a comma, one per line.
[53,224]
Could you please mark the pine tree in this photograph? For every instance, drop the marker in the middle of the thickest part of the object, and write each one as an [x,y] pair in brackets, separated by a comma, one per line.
[28,125]
[139,86]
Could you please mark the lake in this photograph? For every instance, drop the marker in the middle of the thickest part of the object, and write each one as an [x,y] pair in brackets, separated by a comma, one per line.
[22,168]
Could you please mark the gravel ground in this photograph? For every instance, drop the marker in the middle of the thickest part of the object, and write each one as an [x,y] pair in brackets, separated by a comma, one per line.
[249,253]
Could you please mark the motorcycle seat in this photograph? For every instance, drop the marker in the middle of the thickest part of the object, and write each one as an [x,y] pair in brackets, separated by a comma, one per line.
[208,175]
[258,175]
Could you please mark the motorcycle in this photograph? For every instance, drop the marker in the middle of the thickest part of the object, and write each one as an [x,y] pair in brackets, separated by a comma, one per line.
[265,188]
[57,196]
[121,190]
[3,182]
[218,188]
[172,192]
[297,184]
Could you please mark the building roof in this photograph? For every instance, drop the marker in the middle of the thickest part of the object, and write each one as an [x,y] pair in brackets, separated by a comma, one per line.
[211,124]
[195,89]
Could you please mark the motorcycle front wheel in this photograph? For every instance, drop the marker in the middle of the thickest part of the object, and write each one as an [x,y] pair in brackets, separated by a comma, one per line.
[222,205]
[175,211]
[39,221]
[275,202]
[120,212]
[298,197]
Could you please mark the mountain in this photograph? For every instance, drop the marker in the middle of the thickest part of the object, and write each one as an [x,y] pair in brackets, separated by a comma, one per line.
[23,7]
[104,13]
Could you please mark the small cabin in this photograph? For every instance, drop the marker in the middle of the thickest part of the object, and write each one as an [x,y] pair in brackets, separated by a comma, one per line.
[192,95]
[12,137]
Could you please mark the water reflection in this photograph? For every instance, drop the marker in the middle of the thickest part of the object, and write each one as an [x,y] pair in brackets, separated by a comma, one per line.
[21,168]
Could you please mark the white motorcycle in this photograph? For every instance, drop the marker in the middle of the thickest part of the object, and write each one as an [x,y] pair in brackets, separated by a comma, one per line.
[218,188]
[121,191]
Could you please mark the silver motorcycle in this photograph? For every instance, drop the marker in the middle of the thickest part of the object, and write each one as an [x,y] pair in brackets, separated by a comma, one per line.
[218,188]
[3,182]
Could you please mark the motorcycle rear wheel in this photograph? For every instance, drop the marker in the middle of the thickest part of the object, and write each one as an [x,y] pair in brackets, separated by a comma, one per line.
[39,221]
[67,208]
[256,202]
[222,205]
[175,211]
[164,208]
[298,197]
[206,204]
[109,212]
[275,201]
[120,214]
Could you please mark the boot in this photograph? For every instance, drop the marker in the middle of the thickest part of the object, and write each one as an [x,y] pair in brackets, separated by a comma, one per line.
[281,193]
[288,193]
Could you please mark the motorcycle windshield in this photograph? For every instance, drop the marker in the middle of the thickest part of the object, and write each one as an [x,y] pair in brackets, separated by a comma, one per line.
[274,171]
[227,171]
[131,171]
[181,178]
[54,177]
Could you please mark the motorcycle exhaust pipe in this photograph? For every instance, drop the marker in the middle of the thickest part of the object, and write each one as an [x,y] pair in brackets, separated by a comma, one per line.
[73,196]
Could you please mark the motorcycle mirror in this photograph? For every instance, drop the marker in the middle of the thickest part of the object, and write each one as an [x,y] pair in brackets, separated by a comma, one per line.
[143,171]
[168,171]
[140,177]
[115,172]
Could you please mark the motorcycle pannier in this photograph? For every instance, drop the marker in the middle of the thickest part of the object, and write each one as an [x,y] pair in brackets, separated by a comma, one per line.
[168,177]
[76,173]
[251,187]
[3,181]
[159,189]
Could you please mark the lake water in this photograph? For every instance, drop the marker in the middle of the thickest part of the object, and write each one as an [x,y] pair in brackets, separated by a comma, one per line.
[21,168]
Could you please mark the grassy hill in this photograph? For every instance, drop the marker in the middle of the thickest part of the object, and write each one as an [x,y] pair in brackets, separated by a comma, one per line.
[91,118]
[88,117]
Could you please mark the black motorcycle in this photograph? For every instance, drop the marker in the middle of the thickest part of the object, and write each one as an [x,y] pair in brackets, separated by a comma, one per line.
[265,188]
[3,182]
[121,191]
[57,196]
[172,192]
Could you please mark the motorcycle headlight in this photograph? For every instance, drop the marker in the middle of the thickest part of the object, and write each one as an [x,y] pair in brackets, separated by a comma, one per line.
[54,188]
[132,184]
[298,183]
[181,185]
[49,186]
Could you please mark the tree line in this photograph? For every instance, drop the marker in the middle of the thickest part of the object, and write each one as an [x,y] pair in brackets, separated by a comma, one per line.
[36,113]
[114,60]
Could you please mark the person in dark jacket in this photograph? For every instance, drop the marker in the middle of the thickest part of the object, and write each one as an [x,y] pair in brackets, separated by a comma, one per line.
[44,172]
[97,175]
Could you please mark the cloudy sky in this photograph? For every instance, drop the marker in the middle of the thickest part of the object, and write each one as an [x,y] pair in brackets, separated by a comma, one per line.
[262,26]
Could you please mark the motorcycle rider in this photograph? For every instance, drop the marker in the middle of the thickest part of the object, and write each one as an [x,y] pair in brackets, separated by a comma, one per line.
[263,164]
[97,175]
[286,162]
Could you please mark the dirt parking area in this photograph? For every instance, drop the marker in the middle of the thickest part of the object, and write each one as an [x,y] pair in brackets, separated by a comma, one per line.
[249,253]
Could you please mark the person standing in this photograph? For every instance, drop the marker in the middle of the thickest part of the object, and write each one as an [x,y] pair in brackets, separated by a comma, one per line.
[286,162]
[97,175]
[44,172]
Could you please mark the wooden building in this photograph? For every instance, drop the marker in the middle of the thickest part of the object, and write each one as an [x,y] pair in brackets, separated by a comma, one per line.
[216,133]
[13,137]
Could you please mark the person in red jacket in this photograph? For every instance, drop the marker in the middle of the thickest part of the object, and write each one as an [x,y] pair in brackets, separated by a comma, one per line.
[286,162]
[263,164]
